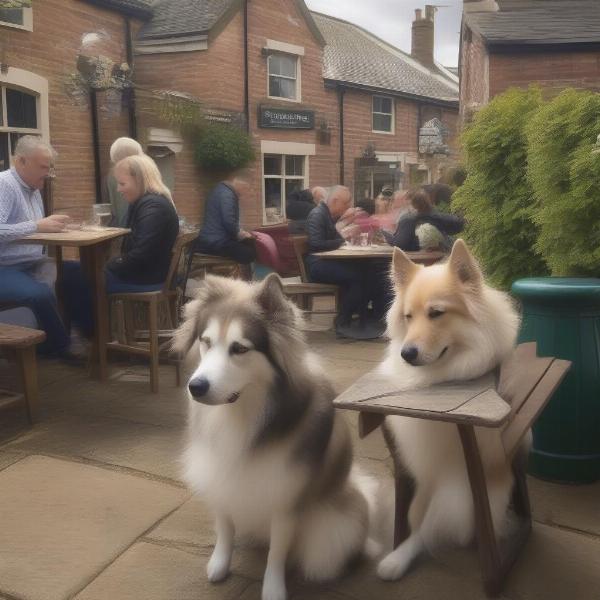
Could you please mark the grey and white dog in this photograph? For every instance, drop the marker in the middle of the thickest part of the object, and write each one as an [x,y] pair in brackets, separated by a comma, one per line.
[265,448]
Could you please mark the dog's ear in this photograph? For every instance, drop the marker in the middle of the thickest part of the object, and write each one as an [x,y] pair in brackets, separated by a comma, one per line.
[211,289]
[403,269]
[464,266]
[186,335]
[271,297]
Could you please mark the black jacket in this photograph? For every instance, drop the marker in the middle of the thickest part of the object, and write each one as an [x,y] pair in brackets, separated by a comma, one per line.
[299,205]
[221,217]
[146,251]
[405,237]
[321,231]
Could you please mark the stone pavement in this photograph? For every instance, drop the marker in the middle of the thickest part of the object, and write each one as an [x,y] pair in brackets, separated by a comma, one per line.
[92,506]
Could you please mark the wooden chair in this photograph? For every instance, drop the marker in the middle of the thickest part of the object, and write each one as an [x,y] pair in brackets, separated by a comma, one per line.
[161,308]
[200,265]
[304,292]
[20,343]
[509,400]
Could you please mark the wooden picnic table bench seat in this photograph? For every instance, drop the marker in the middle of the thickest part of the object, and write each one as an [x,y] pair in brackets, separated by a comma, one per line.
[20,342]
[509,399]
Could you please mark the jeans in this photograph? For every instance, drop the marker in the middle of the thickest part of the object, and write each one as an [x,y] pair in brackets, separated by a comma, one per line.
[30,285]
[77,293]
[350,276]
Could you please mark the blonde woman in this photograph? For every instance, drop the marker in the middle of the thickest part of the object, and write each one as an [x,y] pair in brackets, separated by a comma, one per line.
[146,251]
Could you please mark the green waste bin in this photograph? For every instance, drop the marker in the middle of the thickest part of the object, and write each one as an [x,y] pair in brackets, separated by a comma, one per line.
[563,316]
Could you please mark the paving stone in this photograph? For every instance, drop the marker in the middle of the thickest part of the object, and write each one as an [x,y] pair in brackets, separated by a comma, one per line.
[296,592]
[573,506]
[152,572]
[8,458]
[426,580]
[557,564]
[148,448]
[62,522]
[191,524]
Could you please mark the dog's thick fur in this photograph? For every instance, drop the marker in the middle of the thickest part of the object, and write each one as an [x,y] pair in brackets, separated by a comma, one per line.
[266,449]
[445,324]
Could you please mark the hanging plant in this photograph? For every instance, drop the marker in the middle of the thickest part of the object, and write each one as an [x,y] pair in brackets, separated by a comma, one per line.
[223,147]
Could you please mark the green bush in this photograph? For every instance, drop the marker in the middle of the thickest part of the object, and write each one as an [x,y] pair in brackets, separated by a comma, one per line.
[565,177]
[496,198]
[223,148]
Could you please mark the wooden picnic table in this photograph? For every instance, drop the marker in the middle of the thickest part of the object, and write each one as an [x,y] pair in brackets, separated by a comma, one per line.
[379,251]
[93,244]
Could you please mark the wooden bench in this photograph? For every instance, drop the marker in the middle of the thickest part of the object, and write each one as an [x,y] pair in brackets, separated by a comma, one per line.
[20,343]
[510,399]
[304,292]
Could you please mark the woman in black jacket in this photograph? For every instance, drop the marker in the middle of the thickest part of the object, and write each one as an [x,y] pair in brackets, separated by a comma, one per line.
[405,236]
[146,251]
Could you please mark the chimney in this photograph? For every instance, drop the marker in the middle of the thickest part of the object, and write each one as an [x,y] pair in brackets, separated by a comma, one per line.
[423,30]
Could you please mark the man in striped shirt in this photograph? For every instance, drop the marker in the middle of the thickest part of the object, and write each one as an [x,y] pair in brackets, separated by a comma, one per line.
[26,275]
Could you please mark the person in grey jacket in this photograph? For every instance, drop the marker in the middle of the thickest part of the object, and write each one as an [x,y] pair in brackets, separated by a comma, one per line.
[221,234]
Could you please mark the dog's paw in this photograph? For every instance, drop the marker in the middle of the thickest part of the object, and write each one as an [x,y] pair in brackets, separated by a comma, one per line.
[393,566]
[274,590]
[217,568]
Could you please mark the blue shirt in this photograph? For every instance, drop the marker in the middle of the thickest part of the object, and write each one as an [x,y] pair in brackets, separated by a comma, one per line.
[20,208]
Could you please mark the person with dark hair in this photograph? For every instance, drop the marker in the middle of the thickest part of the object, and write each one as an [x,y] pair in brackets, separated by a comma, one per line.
[297,208]
[405,237]
[440,194]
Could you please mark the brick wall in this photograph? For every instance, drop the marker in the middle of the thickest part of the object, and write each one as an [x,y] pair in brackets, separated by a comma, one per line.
[474,82]
[50,51]
[214,76]
[551,69]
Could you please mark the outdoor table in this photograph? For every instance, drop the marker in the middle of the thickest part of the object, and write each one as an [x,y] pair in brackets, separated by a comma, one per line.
[93,245]
[382,252]
[379,251]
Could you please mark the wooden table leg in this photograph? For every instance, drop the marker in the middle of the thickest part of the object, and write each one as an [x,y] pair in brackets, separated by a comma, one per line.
[58,287]
[489,555]
[27,364]
[93,259]
[404,489]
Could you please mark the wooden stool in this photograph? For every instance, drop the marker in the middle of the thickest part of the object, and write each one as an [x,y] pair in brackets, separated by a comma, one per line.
[198,264]
[20,342]
[509,400]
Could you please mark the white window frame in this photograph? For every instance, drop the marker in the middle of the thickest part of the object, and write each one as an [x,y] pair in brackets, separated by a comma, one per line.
[27,21]
[298,78]
[393,114]
[29,83]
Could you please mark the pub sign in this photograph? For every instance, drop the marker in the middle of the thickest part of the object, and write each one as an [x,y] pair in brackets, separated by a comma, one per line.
[283,118]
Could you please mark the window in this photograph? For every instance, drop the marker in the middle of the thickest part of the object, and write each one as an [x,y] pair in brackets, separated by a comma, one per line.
[21,18]
[283,76]
[383,114]
[18,117]
[283,174]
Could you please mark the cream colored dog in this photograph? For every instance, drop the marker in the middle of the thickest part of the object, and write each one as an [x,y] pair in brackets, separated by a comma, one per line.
[445,324]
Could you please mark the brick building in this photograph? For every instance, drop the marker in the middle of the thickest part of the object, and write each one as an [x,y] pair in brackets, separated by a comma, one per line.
[508,43]
[324,100]
[39,51]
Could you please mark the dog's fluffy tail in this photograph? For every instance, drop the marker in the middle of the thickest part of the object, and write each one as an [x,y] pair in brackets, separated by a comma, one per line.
[335,531]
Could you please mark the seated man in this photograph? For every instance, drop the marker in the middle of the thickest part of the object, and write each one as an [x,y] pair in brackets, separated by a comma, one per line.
[27,275]
[322,236]
[221,234]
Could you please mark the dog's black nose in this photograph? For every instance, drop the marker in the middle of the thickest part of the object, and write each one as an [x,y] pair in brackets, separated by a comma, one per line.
[198,387]
[409,354]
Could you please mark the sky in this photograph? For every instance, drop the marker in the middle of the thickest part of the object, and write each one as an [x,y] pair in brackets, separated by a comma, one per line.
[391,20]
